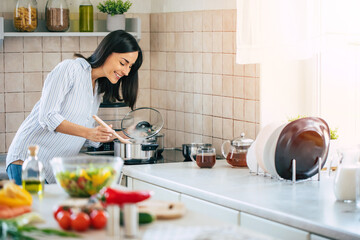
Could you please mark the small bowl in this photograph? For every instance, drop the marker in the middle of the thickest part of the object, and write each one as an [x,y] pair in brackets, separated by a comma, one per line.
[83,176]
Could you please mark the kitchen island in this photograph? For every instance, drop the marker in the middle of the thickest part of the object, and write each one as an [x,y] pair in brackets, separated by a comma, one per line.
[305,210]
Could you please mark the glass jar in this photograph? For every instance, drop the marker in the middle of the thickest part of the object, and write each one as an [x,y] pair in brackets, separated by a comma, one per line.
[57,16]
[26,15]
[86,13]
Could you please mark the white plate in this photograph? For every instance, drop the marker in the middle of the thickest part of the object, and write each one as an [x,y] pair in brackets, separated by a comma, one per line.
[251,160]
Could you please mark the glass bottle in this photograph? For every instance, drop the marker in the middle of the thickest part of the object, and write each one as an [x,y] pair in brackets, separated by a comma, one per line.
[26,15]
[86,13]
[32,172]
[57,16]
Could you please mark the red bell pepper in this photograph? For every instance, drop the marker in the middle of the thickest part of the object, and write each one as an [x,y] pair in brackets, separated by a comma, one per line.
[114,196]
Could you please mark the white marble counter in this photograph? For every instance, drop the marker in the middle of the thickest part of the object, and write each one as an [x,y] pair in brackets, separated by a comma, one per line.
[308,205]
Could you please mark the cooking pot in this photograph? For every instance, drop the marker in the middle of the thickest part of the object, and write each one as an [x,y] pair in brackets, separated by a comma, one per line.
[158,139]
[134,150]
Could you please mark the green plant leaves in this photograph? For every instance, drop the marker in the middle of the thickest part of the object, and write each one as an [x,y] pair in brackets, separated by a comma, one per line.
[114,7]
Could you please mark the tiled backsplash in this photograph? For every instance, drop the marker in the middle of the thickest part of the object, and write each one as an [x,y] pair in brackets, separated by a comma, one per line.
[189,74]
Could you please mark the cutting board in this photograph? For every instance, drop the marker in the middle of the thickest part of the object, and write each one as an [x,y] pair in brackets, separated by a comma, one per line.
[163,209]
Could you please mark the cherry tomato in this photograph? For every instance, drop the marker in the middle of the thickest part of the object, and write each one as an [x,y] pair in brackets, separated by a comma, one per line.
[80,221]
[98,219]
[64,219]
[59,209]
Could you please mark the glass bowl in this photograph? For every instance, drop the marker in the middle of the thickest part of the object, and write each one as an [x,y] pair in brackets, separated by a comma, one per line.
[83,176]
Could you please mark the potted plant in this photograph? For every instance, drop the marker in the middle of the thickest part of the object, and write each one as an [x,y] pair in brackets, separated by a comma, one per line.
[115,10]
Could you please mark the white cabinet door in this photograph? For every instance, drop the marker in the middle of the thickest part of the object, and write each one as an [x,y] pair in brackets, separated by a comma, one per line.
[317,237]
[213,210]
[273,229]
[159,192]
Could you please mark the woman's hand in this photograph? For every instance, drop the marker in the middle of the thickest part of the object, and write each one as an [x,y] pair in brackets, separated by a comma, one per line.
[100,134]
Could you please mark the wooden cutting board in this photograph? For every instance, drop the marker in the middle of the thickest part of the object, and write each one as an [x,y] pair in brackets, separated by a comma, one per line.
[163,209]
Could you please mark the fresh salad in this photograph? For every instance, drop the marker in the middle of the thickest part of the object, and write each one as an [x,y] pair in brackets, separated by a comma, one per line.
[85,182]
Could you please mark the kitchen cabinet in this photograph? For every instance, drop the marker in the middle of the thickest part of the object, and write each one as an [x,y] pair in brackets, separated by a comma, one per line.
[210,209]
[271,228]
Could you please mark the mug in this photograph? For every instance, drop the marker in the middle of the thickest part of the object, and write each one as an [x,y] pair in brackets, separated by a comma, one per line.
[205,157]
[191,148]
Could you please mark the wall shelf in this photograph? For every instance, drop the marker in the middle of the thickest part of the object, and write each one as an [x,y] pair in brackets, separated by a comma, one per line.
[133,26]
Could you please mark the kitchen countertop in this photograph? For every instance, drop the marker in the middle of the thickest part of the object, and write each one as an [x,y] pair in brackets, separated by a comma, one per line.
[309,205]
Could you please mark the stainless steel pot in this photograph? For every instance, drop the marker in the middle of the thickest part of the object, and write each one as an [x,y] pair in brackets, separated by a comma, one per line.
[158,139]
[134,151]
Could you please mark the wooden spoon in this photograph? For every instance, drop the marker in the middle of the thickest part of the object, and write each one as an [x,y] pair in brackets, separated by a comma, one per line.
[102,123]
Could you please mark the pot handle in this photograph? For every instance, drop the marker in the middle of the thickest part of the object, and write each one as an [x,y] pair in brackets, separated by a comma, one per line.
[222,148]
[149,147]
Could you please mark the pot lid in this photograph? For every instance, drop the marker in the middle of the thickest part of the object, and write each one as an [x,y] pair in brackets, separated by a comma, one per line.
[242,141]
[142,123]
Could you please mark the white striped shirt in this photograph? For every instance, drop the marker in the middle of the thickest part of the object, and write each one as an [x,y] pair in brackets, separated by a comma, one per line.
[67,95]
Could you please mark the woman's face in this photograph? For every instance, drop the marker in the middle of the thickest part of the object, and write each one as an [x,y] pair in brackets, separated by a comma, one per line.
[118,65]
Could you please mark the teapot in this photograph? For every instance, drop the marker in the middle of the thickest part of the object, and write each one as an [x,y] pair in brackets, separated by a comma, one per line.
[236,156]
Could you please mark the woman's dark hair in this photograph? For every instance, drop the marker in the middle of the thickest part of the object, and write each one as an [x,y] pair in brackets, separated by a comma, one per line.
[117,41]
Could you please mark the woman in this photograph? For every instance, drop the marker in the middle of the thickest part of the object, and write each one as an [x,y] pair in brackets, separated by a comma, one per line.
[61,121]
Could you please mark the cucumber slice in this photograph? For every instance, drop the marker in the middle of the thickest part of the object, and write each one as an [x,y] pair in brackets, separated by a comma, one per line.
[144,218]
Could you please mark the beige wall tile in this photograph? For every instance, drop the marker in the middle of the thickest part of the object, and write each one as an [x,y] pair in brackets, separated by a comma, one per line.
[257,88]
[217,106]
[69,55]
[170,61]
[154,61]
[238,87]
[217,63]
[198,42]
[13,121]
[70,44]
[50,60]
[217,127]
[171,140]
[171,81]
[31,99]
[100,39]
[33,82]
[198,138]
[207,105]
[229,20]
[154,81]
[2,146]
[207,63]
[154,42]
[238,109]
[250,70]
[146,60]
[8,139]
[217,21]
[228,83]
[249,111]
[207,139]
[13,44]
[207,84]
[257,112]
[188,137]
[2,123]
[228,129]
[228,42]
[250,88]
[189,102]
[188,21]
[144,78]
[170,41]
[257,70]
[143,98]
[33,44]
[51,44]
[198,83]
[14,62]
[228,64]
[171,100]
[189,82]
[89,43]
[171,119]
[207,43]
[239,128]
[228,110]
[179,62]
[179,42]
[170,22]
[14,102]
[154,98]
[163,114]
[14,82]
[162,22]
[179,81]
[145,22]
[2,102]
[207,21]
[207,125]
[162,97]
[197,21]
[2,64]
[162,42]
[162,80]
[180,101]
[250,130]
[188,62]
[198,102]
[217,142]
[188,42]
[2,82]
[217,42]
[197,62]
[179,22]
[33,62]
[145,42]
[239,69]
[179,138]
[180,121]
[217,85]
[154,22]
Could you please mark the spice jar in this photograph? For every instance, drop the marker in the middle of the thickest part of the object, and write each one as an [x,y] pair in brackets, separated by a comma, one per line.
[86,13]
[57,16]
[236,156]
[25,15]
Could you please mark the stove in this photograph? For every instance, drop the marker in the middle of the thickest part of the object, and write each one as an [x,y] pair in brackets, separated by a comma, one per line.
[167,156]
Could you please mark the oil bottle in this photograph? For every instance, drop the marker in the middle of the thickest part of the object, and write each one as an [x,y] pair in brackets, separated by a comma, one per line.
[86,13]
[33,173]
